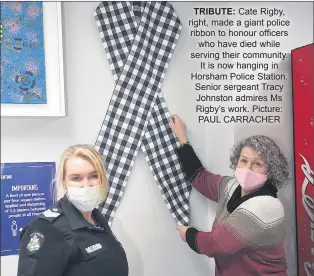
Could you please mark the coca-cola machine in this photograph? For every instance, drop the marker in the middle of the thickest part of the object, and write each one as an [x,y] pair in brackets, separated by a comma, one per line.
[303,109]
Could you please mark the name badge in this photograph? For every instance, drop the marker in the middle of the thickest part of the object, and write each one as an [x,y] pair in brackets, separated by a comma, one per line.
[93,248]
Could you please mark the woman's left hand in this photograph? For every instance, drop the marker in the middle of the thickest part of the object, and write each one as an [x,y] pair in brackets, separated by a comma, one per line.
[182,231]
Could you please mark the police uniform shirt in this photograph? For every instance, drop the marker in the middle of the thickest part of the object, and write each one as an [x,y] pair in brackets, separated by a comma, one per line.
[60,242]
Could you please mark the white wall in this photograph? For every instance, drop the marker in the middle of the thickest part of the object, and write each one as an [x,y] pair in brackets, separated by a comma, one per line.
[143,223]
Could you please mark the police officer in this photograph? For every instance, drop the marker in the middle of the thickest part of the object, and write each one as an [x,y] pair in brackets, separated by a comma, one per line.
[72,238]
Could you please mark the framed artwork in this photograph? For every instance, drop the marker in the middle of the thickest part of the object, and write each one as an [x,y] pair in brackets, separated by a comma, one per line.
[32,80]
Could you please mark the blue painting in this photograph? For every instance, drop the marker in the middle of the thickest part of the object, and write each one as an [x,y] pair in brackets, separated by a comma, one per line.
[23,74]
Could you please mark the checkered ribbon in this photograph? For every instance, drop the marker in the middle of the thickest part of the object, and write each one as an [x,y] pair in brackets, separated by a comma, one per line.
[139,39]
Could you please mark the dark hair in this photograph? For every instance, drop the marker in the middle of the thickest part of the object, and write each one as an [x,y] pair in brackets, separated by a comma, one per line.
[269,152]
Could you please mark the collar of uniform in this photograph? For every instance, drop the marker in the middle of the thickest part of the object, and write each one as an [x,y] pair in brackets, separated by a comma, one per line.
[98,216]
[73,215]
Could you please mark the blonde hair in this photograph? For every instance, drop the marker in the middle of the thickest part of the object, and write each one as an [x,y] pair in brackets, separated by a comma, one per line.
[88,153]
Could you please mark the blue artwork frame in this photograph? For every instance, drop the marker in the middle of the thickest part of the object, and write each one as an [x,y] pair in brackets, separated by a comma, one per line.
[23,72]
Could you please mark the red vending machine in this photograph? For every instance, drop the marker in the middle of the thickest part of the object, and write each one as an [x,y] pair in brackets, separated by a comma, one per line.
[303,109]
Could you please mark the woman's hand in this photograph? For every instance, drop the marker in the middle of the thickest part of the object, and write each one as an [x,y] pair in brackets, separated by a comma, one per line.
[178,127]
[182,231]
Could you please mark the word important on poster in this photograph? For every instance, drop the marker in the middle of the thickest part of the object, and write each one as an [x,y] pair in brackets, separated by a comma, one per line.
[25,194]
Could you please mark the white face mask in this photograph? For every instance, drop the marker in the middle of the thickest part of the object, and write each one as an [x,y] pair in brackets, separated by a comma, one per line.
[85,199]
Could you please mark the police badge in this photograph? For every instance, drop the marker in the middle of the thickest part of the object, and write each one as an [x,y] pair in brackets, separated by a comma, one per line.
[36,241]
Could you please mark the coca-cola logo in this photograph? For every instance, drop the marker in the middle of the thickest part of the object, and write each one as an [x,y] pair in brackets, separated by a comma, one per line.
[307,200]
[308,204]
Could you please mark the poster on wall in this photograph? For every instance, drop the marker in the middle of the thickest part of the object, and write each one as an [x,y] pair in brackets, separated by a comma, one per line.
[23,72]
[303,96]
[26,192]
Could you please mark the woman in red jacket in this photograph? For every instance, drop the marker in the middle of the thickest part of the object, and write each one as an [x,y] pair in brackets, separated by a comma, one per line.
[248,232]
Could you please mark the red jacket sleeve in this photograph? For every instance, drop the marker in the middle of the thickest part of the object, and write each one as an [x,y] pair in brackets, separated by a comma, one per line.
[207,184]
[242,231]
[222,241]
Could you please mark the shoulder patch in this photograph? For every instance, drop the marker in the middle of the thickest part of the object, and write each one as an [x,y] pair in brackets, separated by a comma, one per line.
[35,242]
[51,213]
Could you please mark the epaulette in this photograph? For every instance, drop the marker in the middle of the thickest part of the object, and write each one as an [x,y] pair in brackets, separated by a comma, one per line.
[51,214]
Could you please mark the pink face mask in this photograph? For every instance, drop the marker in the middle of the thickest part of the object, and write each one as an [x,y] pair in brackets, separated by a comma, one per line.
[249,180]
